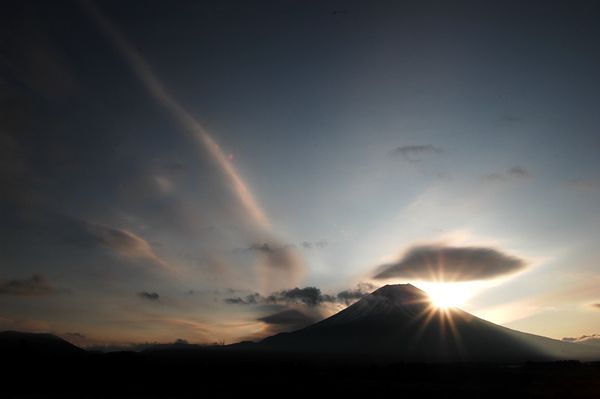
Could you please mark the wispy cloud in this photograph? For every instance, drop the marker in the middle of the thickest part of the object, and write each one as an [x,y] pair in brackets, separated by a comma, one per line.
[590,184]
[516,172]
[36,285]
[190,125]
[271,273]
[120,241]
[275,259]
[414,153]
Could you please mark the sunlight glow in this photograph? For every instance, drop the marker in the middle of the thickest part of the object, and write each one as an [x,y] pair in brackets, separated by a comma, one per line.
[447,295]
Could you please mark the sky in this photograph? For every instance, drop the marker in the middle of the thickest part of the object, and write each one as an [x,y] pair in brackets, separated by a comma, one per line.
[220,171]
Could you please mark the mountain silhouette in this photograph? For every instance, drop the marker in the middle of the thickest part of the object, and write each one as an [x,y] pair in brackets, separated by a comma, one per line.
[36,344]
[398,321]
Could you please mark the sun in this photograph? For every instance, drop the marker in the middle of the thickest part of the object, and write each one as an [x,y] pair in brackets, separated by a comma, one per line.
[443,296]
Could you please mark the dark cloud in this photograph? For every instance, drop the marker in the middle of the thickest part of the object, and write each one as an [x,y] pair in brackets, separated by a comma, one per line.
[235,301]
[440,263]
[263,248]
[414,153]
[291,319]
[251,299]
[37,285]
[593,339]
[596,305]
[151,296]
[314,244]
[271,249]
[516,172]
[352,295]
[309,296]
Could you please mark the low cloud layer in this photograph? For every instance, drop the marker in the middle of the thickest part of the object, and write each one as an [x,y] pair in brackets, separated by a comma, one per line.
[593,339]
[440,263]
[414,153]
[288,319]
[36,285]
[309,296]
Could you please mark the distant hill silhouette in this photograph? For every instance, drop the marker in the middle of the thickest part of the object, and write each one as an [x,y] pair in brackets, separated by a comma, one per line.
[398,321]
[36,344]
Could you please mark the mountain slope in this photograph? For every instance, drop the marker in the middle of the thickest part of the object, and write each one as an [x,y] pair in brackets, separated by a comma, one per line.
[36,344]
[398,321]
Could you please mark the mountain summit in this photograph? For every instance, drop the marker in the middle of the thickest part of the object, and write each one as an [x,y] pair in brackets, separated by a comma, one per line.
[399,321]
[400,293]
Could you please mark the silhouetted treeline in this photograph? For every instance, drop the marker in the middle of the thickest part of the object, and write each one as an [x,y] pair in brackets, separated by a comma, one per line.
[206,372]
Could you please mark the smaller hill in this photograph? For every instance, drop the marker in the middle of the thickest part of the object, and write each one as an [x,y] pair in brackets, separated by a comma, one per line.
[36,344]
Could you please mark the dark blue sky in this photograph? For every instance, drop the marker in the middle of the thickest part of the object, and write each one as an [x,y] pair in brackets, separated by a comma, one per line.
[347,132]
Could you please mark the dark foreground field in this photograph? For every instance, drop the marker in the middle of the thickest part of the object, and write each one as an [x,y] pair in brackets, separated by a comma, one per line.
[220,373]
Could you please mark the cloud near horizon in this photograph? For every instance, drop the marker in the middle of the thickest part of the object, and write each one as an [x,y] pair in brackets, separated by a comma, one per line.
[309,296]
[286,320]
[441,263]
[593,339]
[290,318]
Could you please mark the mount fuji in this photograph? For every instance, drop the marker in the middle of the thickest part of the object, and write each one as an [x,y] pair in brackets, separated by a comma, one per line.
[399,322]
